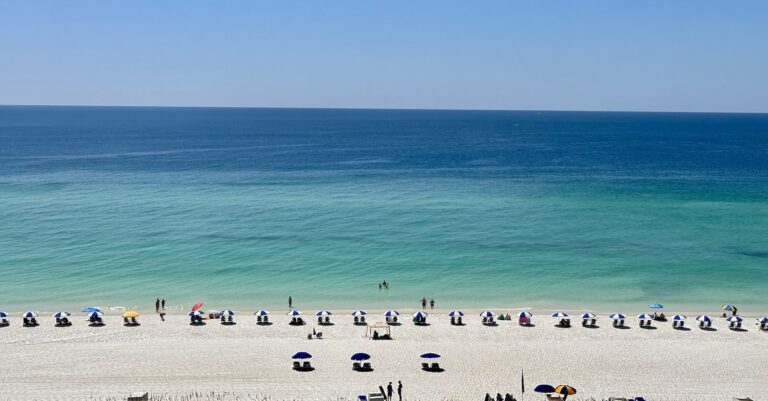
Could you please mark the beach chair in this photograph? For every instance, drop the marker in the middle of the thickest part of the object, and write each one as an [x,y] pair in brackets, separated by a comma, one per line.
[356,366]
[424,366]
[362,319]
[327,320]
[485,320]
[435,367]
[458,321]
[306,366]
[319,320]
[357,320]
[296,365]
[523,321]
[265,319]
[367,366]
[319,335]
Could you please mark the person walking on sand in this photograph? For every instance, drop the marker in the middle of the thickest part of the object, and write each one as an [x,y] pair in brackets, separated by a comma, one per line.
[399,390]
[157,305]
[389,391]
[423,303]
[290,302]
[432,303]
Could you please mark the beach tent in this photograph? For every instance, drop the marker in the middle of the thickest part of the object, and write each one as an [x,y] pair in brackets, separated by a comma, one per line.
[559,315]
[359,313]
[455,313]
[371,327]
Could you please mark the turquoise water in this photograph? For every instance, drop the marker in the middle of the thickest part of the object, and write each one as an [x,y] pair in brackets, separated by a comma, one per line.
[244,207]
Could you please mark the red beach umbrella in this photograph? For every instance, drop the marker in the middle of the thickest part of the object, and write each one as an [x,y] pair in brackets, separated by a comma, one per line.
[197,306]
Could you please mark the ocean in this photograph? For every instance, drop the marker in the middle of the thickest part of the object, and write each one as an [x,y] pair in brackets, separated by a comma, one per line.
[242,208]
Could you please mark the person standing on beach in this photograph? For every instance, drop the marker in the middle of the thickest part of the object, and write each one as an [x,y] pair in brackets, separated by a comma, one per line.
[157,305]
[399,390]
[162,304]
[423,303]
[432,303]
[389,391]
[290,302]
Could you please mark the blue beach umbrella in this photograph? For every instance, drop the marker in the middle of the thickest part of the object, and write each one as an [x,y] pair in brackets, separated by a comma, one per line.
[703,318]
[420,315]
[92,309]
[29,314]
[617,316]
[559,315]
[359,313]
[228,312]
[391,313]
[94,314]
[301,355]
[679,317]
[62,315]
[644,316]
[195,313]
[487,314]
[430,355]
[294,313]
[323,313]
[763,319]
[262,312]
[3,315]
[455,313]
[524,314]
[588,315]
[728,307]
[734,319]
[656,306]
[361,356]
[544,388]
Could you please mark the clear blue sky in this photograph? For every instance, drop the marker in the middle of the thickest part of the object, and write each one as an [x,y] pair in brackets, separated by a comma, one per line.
[489,54]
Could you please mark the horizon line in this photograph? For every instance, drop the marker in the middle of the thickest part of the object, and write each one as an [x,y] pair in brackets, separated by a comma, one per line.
[382,109]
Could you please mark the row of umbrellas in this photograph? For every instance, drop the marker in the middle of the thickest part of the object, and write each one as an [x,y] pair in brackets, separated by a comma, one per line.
[360,356]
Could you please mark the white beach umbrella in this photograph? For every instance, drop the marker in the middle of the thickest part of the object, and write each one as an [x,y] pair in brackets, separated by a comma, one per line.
[391,313]
[524,314]
[734,319]
[420,315]
[29,314]
[644,316]
[294,313]
[195,313]
[3,315]
[679,317]
[94,314]
[559,315]
[262,312]
[359,313]
[455,313]
[323,313]
[587,315]
[617,316]
[228,312]
[703,318]
[487,314]
[62,315]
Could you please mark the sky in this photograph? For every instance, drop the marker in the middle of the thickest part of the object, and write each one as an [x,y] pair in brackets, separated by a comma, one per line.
[654,55]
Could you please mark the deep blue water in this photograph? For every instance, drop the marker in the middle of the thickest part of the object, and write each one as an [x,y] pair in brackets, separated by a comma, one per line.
[244,207]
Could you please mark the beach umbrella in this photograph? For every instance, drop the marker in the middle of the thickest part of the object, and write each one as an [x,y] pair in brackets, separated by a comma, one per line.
[488,314]
[3,315]
[391,313]
[228,312]
[617,316]
[262,312]
[430,355]
[644,316]
[544,388]
[728,307]
[525,315]
[565,390]
[359,313]
[679,317]
[195,313]
[588,315]
[703,318]
[294,313]
[94,314]
[29,314]
[734,319]
[302,355]
[456,313]
[323,313]
[559,315]
[361,356]
[656,306]
[763,319]
[92,309]
[420,315]
[62,315]
[131,314]
[197,306]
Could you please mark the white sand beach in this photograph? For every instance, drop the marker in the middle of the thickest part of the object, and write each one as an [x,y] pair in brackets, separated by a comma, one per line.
[172,357]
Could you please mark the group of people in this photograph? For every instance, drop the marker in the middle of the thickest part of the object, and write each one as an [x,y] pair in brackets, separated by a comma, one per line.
[424,303]
[390,390]
[159,304]
[384,285]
